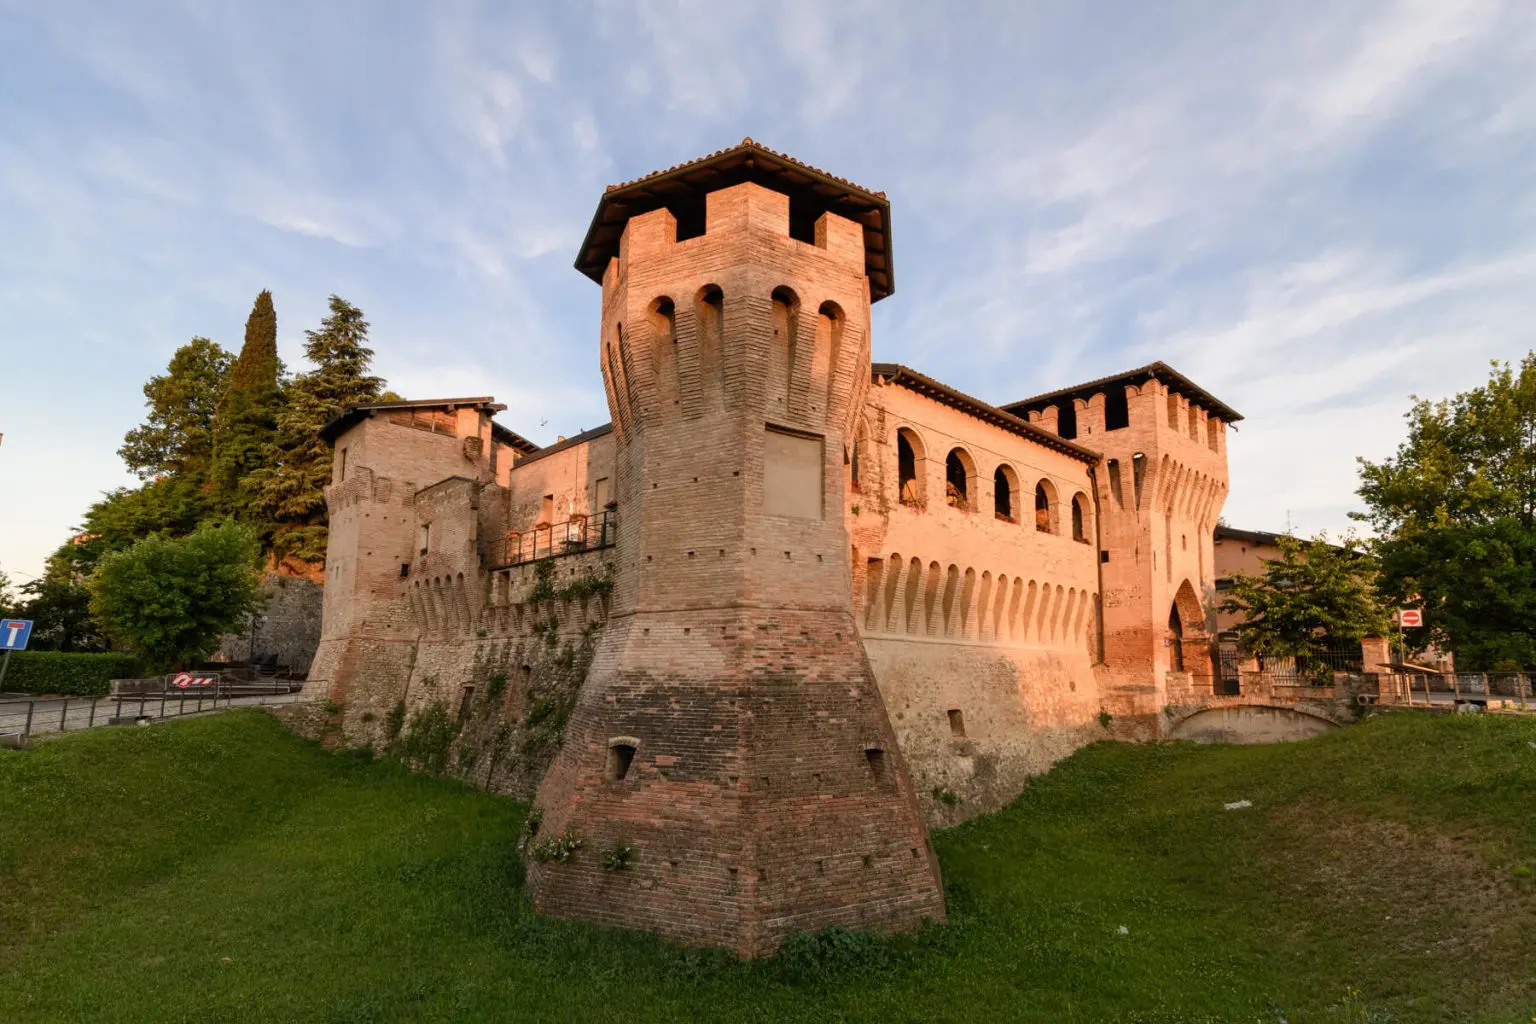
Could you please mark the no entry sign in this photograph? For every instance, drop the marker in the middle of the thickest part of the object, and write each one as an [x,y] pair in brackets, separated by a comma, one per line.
[1410,618]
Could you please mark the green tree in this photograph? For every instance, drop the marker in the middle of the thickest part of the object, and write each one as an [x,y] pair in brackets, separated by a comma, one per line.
[170,507]
[245,424]
[1455,514]
[290,490]
[177,435]
[59,605]
[10,601]
[1312,596]
[169,600]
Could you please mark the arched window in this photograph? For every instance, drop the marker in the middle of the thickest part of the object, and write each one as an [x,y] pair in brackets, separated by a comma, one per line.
[1045,498]
[959,473]
[1079,518]
[1175,640]
[909,468]
[1005,494]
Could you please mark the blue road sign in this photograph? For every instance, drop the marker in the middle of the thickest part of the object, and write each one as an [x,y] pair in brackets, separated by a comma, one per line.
[14,634]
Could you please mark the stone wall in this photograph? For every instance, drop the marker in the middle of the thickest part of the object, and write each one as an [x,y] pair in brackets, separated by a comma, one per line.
[288,626]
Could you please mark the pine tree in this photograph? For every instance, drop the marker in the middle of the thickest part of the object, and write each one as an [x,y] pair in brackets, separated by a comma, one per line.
[290,492]
[245,425]
[176,438]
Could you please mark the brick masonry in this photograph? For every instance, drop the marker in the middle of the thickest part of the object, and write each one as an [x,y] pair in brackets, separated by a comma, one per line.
[789,650]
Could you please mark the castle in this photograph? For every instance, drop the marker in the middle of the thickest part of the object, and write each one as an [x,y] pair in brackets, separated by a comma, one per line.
[743,644]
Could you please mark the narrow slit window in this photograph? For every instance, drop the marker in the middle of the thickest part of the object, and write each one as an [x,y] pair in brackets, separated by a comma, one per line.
[956,723]
[621,756]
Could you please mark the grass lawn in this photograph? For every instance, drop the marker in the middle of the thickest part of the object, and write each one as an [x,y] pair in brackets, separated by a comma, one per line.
[220,869]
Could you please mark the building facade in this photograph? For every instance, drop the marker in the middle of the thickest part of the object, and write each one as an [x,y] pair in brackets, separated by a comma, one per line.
[792,605]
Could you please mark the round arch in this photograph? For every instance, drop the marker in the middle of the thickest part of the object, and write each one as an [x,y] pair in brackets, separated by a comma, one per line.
[1005,493]
[960,480]
[911,467]
[1046,506]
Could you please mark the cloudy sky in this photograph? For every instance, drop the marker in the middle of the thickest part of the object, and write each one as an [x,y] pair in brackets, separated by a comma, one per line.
[1312,209]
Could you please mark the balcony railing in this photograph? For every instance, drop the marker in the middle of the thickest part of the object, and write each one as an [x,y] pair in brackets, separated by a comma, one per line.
[577,534]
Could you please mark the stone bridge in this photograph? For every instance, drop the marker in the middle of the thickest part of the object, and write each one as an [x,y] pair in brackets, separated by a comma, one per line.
[1265,711]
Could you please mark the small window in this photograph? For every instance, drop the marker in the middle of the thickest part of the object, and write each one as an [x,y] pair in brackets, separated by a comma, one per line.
[547,510]
[956,723]
[1138,474]
[602,493]
[875,758]
[621,754]
[1079,516]
[405,569]
[343,471]
[1116,488]
[424,534]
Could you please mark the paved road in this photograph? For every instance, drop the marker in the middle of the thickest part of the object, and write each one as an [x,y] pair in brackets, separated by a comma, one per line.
[55,714]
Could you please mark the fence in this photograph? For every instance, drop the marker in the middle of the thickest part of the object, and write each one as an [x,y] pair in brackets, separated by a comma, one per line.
[22,718]
[1509,691]
[580,533]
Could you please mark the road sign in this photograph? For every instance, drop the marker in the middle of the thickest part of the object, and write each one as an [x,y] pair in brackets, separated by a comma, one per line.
[1410,618]
[186,680]
[14,634]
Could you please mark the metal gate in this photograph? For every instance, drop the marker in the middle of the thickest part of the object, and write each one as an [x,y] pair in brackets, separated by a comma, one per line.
[1228,681]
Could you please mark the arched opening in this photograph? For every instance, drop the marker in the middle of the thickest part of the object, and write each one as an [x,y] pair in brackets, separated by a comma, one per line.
[1079,518]
[709,314]
[1045,499]
[1005,494]
[909,468]
[1116,487]
[786,331]
[959,472]
[1175,640]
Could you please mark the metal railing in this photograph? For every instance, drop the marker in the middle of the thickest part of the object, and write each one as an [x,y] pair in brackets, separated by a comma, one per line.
[578,534]
[24,717]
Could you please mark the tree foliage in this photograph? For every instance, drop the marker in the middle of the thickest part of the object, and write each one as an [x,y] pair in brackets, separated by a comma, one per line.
[170,600]
[177,436]
[290,490]
[1315,593]
[59,605]
[246,421]
[1455,514]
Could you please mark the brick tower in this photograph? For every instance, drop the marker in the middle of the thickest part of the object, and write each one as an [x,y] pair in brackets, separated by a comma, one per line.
[730,730]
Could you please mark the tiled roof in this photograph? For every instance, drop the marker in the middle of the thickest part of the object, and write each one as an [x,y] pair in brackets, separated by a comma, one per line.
[746,143]
[909,378]
[682,189]
[1158,370]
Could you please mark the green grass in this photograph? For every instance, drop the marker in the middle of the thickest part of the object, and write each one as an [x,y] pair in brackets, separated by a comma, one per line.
[220,869]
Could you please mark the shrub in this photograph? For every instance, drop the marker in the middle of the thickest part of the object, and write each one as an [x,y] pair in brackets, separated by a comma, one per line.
[830,952]
[86,675]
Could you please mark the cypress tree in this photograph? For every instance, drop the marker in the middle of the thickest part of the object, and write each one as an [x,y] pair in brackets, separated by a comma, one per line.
[245,425]
[290,491]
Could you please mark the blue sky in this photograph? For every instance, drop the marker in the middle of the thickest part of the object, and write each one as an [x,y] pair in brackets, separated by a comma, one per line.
[1312,209]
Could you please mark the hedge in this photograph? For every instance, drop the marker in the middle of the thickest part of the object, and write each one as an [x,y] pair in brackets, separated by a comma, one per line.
[59,672]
